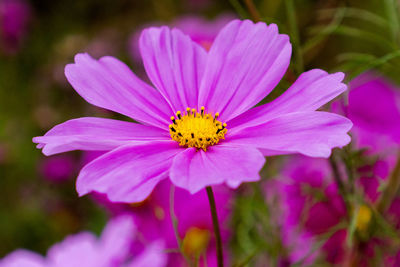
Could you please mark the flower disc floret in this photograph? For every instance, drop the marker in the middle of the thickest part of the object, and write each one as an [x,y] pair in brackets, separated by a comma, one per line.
[197,129]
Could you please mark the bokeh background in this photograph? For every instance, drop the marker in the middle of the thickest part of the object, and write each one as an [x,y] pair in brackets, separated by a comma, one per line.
[38,202]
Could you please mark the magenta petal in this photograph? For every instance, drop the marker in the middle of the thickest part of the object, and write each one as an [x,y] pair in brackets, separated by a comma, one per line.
[23,258]
[194,170]
[75,250]
[128,173]
[245,62]
[310,133]
[96,134]
[116,240]
[175,65]
[110,84]
[311,90]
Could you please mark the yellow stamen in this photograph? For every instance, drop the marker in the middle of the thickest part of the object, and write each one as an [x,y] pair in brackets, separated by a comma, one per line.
[195,241]
[363,219]
[159,213]
[195,129]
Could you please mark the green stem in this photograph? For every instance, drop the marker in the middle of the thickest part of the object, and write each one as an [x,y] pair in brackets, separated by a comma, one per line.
[391,9]
[391,188]
[339,181]
[294,34]
[175,224]
[217,233]
[255,16]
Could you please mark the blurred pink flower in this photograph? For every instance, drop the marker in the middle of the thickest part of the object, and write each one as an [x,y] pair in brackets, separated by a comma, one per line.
[223,143]
[313,207]
[193,215]
[14,18]
[112,249]
[58,168]
[374,108]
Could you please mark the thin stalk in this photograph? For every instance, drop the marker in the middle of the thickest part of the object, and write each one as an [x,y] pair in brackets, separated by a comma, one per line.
[251,7]
[391,189]
[338,180]
[294,34]
[175,224]
[217,232]
[391,10]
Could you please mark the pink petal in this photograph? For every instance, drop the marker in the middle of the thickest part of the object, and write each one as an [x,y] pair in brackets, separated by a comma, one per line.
[128,173]
[116,240]
[310,133]
[96,134]
[311,90]
[23,258]
[75,250]
[245,62]
[110,84]
[194,170]
[174,64]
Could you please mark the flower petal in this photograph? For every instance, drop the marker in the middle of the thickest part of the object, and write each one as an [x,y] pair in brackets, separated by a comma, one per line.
[75,250]
[311,90]
[153,255]
[310,133]
[245,62]
[174,64]
[116,239]
[95,134]
[128,173]
[23,258]
[110,84]
[194,170]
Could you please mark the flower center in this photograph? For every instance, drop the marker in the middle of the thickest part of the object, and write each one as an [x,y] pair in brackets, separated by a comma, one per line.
[195,241]
[197,129]
[363,218]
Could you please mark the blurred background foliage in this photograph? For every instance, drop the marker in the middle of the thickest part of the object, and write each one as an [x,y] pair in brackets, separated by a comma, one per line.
[347,35]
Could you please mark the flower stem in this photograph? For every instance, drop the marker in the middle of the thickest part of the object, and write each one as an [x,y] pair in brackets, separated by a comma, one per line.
[255,16]
[175,224]
[391,188]
[217,233]
[294,35]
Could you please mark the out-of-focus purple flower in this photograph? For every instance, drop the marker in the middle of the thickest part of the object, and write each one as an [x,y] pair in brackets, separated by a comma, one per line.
[198,128]
[112,249]
[313,207]
[374,108]
[14,18]
[194,220]
[199,29]
[58,168]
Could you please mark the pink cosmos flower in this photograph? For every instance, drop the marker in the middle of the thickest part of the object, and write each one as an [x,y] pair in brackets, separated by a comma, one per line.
[14,18]
[198,126]
[84,249]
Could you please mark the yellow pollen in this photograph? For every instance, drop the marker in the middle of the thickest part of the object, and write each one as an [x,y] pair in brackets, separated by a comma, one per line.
[197,129]
[159,213]
[195,241]
[363,219]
